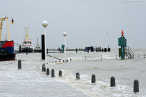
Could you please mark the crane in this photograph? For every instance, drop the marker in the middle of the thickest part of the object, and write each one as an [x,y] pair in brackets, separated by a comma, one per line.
[1,26]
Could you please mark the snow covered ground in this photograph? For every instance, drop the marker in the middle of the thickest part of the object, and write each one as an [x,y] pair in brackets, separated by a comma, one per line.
[30,81]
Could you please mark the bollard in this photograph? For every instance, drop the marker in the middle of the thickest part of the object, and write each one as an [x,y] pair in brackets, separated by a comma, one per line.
[47,50]
[93,79]
[85,58]
[101,57]
[136,86]
[112,82]
[102,49]
[77,76]
[66,60]
[60,73]
[76,50]
[47,73]
[43,68]
[63,61]
[105,50]
[70,59]
[109,49]
[19,64]
[52,73]
[26,51]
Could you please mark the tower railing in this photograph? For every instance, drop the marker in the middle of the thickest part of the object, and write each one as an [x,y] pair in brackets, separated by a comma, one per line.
[129,53]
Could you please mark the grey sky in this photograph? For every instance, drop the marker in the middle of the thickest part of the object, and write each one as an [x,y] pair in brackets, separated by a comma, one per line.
[87,22]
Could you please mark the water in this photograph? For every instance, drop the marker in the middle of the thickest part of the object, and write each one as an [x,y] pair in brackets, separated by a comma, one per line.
[30,81]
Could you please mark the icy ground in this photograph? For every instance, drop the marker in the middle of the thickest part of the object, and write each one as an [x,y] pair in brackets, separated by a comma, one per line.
[30,81]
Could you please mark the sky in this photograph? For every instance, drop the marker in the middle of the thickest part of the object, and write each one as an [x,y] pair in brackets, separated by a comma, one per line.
[86,22]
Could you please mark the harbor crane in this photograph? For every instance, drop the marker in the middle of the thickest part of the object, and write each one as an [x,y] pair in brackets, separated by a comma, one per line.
[1,26]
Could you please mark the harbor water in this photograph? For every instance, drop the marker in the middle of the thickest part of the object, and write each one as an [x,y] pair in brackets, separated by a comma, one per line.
[30,81]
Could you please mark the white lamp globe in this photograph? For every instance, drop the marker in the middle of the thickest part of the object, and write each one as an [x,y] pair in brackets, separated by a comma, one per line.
[45,24]
[64,34]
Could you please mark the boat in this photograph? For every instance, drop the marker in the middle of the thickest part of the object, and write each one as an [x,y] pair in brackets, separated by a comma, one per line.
[27,44]
[7,46]
[37,47]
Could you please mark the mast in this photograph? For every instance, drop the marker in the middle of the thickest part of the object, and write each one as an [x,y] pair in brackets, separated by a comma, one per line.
[1,26]
[27,34]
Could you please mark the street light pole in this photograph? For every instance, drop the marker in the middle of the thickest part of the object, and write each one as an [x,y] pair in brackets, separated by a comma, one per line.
[65,34]
[45,24]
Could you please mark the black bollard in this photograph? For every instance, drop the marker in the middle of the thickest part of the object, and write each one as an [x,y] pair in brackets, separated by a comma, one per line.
[63,61]
[66,60]
[47,73]
[77,75]
[47,50]
[112,82]
[43,68]
[109,49]
[76,50]
[26,51]
[93,79]
[52,73]
[19,64]
[105,49]
[60,73]
[96,49]
[43,47]
[102,49]
[136,86]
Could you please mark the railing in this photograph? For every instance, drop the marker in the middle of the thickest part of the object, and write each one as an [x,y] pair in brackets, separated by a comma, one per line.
[129,53]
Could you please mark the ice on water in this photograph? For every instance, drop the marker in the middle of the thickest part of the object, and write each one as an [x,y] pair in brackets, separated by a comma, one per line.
[30,81]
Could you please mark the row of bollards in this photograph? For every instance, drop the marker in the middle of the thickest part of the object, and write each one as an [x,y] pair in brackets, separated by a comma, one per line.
[52,71]
[67,60]
[112,82]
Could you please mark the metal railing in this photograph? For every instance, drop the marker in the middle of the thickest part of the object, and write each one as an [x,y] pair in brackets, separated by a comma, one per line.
[129,53]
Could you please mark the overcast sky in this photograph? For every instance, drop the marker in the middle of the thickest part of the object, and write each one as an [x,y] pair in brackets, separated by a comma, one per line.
[87,22]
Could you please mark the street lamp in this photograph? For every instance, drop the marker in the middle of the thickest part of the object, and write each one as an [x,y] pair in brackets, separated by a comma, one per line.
[45,24]
[65,34]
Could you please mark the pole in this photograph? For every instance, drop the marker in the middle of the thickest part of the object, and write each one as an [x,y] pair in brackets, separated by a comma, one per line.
[45,45]
[65,47]
[8,30]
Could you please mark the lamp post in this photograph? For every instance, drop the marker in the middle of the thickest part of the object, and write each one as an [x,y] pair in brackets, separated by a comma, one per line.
[65,34]
[45,24]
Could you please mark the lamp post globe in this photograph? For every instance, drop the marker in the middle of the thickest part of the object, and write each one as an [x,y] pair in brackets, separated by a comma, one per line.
[44,24]
[64,34]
